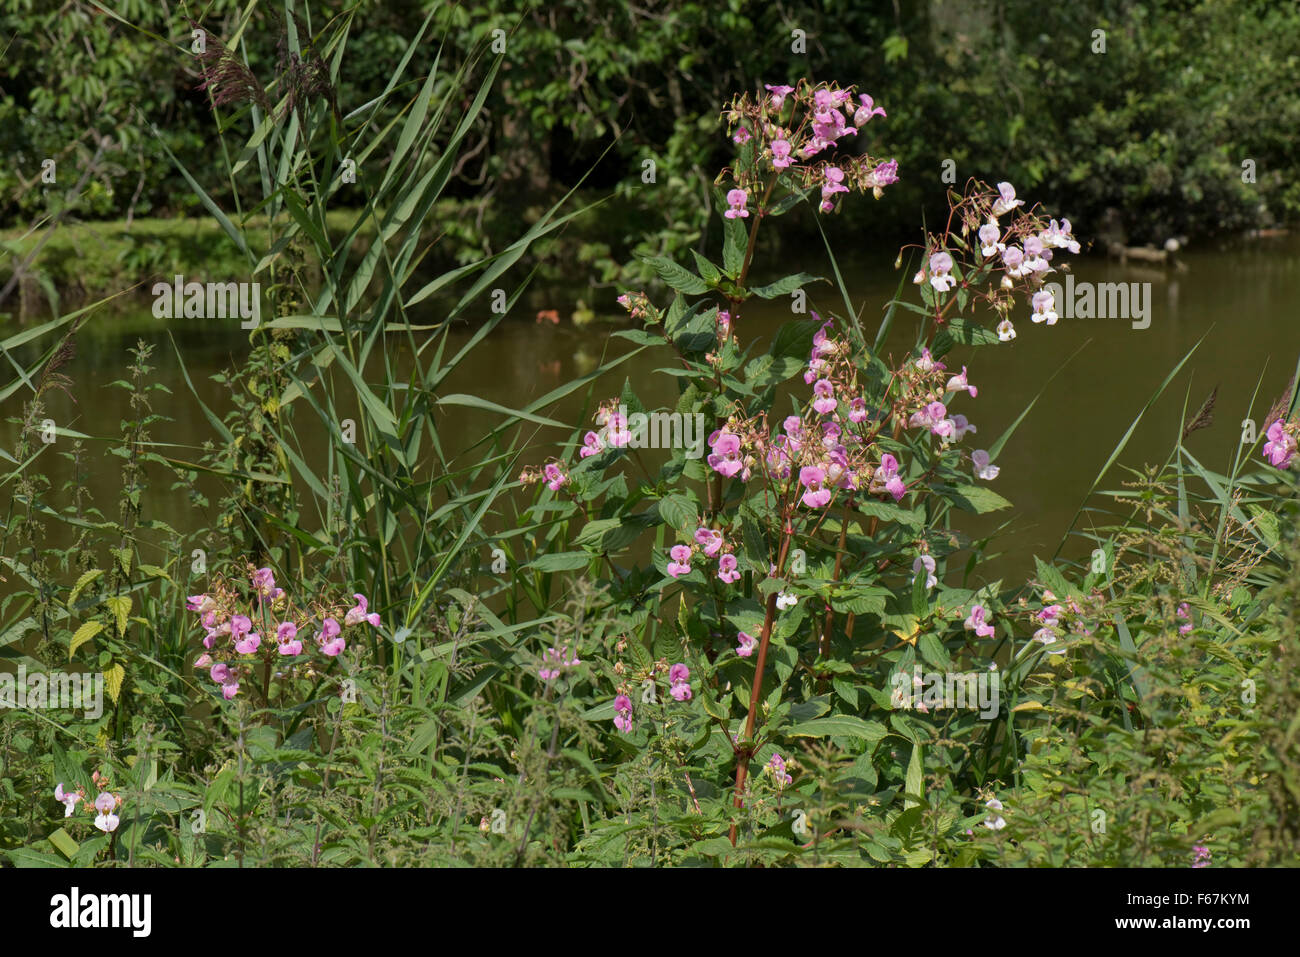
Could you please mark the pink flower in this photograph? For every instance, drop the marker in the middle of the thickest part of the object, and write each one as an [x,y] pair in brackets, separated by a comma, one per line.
[554,477]
[858,410]
[357,614]
[264,582]
[1014,260]
[927,362]
[726,454]
[1185,612]
[681,560]
[1280,447]
[203,661]
[591,445]
[220,672]
[286,636]
[248,644]
[886,174]
[746,646]
[240,625]
[1049,614]
[200,603]
[812,478]
[780,154]
[961,425]
[888,476]
[680,676]
[825,393]
[776,767]
[958,383]
[742,136]
[230,689]
[68,798]
[724,324]
[710,539]
[727,571]
[737,199]
[867,110]
[978,622]
[330,638]
[779,93]
[623,713]
[105,802]
[940,270]
[1006,200]
[929,416]
[989,239]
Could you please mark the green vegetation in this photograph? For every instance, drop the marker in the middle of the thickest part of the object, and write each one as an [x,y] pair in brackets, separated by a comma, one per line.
[586,652]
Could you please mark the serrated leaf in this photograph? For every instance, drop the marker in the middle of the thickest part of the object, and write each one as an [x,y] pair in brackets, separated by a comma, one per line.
[120,606]
[677,277]
[678,511]
[708,271]
[113,679]
[785,286]
[82,582]
[83,634]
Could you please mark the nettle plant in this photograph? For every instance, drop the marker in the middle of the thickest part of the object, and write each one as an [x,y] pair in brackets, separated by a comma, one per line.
[803,564]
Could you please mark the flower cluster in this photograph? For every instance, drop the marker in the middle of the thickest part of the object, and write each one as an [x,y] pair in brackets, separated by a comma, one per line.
[679,682]
[1020,247]
[614,433]
[104,806]
[776,768]
[552,473]
[792,130]
[234,628]
[555,661]
[710,543]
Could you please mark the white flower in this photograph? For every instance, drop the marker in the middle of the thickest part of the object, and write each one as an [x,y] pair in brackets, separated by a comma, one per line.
[925,562]
[1006,331]
[983,469]
[785,600]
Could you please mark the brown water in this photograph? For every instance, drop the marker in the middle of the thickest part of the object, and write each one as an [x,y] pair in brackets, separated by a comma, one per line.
[1238,298]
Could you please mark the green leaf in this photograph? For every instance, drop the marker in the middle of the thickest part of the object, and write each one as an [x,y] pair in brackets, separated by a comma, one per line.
[783,287]
[678,512]
[120,606]
[64,843]
[914,784]
[82,582]
[839,725]
[710,272]
[83,634]
[677,277]
[560,562]
[973,498]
